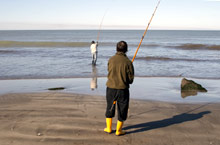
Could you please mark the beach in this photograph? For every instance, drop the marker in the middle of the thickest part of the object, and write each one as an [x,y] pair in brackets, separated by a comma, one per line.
[51,94]
[67,119]
[46,117]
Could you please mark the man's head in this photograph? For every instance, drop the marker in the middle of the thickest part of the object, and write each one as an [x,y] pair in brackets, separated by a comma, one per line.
[93,42]
[122,47]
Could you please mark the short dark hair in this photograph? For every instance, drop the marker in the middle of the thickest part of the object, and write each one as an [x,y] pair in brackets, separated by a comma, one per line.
[122,46]
[93,42]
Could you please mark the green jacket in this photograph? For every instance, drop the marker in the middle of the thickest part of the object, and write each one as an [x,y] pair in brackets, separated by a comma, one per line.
[120,71]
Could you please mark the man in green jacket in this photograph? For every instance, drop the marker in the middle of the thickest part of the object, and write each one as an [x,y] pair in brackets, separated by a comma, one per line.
[120,76]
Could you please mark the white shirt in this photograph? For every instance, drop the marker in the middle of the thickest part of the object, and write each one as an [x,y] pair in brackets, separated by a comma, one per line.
[93,47]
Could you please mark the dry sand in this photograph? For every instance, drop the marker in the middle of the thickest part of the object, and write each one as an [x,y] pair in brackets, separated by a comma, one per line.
[71,119]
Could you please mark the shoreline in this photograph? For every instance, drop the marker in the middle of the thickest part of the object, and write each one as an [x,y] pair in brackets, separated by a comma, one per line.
[164,89]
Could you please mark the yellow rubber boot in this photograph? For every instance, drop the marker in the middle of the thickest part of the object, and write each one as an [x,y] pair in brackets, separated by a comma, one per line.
[108,128]
[119,130]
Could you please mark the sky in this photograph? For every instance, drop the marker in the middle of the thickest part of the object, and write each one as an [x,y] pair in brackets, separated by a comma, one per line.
[116,14]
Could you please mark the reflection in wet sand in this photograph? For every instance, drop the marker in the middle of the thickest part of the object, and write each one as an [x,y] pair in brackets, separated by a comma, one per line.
[185,94]
[93,84]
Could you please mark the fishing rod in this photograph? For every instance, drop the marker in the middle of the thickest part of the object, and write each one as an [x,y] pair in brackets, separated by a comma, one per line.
[100,26]
[146,31]
[114,102]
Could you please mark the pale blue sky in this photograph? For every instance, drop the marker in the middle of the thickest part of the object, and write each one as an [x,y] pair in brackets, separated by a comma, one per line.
[120,14]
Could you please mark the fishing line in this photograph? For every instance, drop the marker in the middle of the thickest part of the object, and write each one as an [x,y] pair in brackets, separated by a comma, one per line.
[100,26]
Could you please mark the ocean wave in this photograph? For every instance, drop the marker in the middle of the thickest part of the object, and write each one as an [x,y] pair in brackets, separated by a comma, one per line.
[7,51]
[146,45]
[42,44]
[151,58]
[190,46]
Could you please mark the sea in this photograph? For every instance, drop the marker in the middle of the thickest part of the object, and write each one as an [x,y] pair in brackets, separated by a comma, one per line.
[40,54]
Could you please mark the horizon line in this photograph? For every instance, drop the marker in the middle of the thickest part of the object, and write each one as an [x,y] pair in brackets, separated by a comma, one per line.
[109,29]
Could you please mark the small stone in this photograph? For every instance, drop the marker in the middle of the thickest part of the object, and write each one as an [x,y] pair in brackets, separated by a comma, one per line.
[54,89]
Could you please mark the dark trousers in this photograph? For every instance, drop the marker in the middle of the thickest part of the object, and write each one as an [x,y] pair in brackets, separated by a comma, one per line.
[122,98]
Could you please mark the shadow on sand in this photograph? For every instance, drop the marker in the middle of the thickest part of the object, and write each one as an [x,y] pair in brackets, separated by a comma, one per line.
[184,117]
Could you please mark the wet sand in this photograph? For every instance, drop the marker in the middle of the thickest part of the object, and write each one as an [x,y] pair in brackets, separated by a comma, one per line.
[53,118]
[165,89]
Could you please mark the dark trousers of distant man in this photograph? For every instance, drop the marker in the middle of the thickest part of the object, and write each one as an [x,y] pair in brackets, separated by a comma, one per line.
[122,98]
